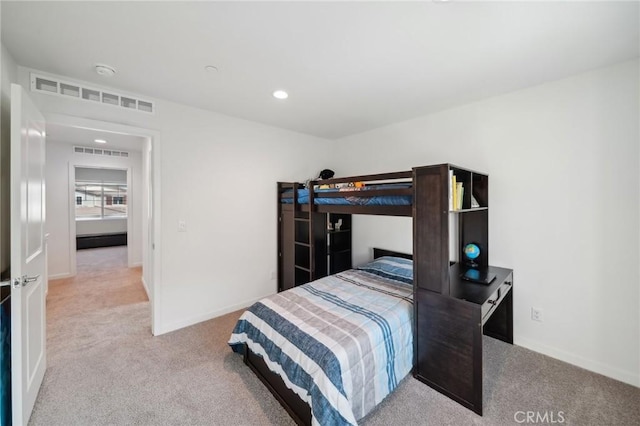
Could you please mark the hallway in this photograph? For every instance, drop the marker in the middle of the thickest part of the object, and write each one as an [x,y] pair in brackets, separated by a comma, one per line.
[103,281]
[93,321]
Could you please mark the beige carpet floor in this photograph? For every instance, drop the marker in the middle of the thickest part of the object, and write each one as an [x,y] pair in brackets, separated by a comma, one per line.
[105,368]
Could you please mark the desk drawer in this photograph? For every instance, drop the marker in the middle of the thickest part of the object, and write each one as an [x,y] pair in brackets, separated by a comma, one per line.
[494,300]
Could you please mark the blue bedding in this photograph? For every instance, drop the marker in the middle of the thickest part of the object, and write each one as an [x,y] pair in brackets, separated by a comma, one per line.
[350,200]
[341,343]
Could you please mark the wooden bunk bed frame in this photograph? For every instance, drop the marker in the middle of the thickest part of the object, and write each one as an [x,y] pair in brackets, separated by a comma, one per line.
[450,314]
[285,191]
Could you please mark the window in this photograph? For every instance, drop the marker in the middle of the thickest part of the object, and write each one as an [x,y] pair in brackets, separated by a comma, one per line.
[100,200]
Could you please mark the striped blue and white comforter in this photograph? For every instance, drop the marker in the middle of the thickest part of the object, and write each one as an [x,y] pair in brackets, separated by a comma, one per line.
[341,343]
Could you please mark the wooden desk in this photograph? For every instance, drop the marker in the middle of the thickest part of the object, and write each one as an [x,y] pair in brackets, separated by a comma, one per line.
[449,329]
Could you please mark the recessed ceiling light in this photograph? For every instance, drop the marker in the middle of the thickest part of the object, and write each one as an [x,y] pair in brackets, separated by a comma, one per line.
[105,70]
[211,69]
[99,141]
[280,94]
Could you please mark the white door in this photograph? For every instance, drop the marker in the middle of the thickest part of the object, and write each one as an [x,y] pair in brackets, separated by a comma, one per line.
[28,254]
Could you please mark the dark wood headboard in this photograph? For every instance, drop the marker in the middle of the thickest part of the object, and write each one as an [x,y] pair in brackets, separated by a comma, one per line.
[378,252]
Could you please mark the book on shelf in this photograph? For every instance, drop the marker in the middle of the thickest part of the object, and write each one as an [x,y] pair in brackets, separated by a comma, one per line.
[452,185]
[456,192]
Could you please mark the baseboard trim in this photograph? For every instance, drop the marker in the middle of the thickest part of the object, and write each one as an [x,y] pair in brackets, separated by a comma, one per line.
[146,288]
[167,328]
[588,364]
[59,276]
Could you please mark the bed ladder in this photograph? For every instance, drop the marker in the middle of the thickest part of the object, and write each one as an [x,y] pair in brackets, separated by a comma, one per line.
[304,241]
[303,247]
[302,252]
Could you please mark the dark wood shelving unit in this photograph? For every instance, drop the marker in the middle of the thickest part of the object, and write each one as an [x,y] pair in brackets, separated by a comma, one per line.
[309,245]
[452,314]
[339,256]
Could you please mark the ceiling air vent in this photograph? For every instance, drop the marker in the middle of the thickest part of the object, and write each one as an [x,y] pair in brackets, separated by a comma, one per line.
[53,86]
[99,151]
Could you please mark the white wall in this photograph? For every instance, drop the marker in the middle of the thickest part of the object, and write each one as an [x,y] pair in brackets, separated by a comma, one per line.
[104,226]
[564,196]
[147,220]
[219,175]
[9,72]
[60,160]
[93,174]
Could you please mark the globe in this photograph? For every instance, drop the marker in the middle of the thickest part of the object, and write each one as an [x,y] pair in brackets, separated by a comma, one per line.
[471,252]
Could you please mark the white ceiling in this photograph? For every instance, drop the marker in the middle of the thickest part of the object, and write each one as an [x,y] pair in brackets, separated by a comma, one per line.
[76,136]
[348,66]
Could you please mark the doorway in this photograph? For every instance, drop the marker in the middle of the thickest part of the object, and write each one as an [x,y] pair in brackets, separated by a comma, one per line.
[77,146]
[103,215]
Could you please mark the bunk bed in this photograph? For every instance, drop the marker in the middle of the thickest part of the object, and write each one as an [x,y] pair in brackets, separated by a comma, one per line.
[388,194]
[450,314]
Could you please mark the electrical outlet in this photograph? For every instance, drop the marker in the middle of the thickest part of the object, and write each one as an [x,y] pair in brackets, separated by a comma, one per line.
[182,226]
[536,314]
[274,275]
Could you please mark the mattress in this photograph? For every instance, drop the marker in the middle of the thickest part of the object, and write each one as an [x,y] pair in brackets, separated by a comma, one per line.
[352,200]
[341,343]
